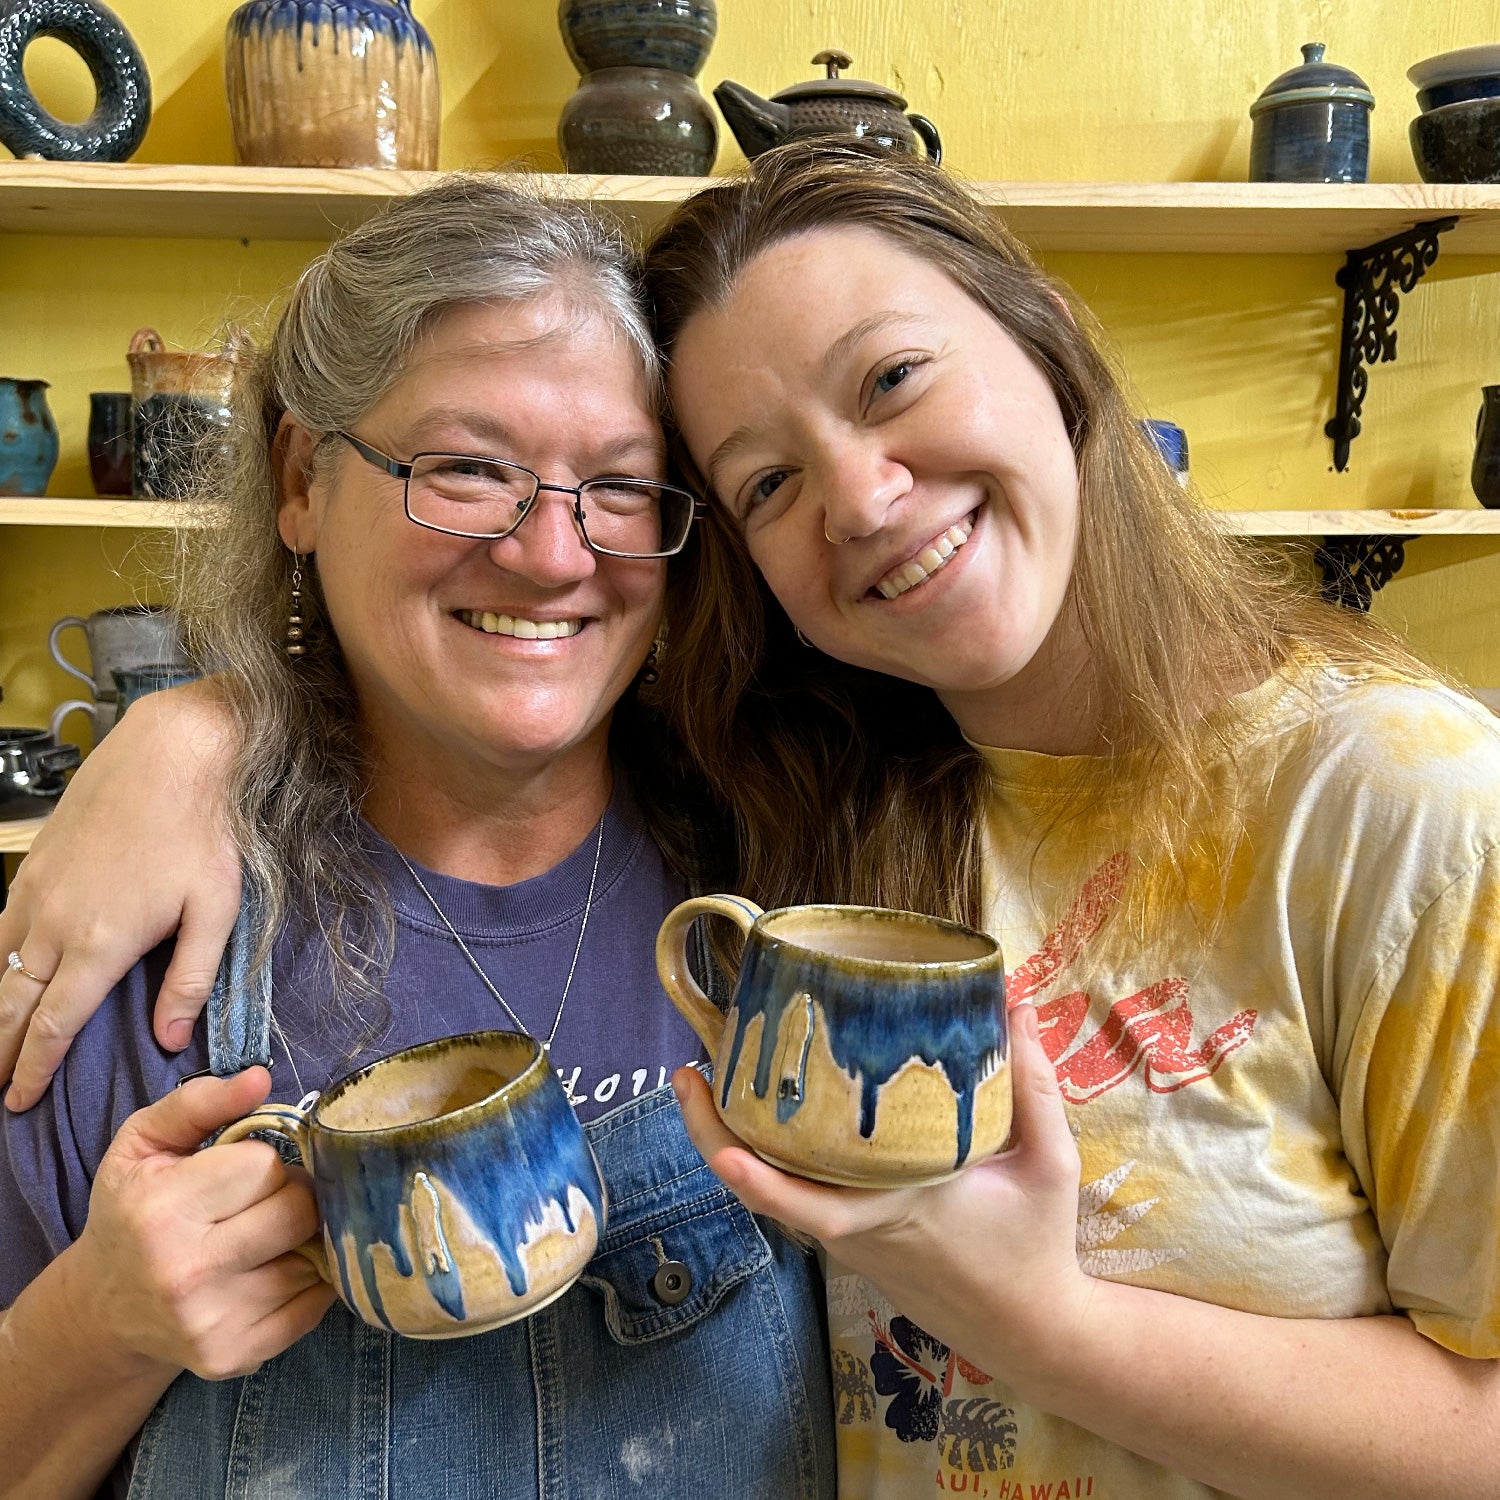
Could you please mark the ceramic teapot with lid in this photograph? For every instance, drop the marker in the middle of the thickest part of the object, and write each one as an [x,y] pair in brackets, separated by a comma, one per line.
[825,106]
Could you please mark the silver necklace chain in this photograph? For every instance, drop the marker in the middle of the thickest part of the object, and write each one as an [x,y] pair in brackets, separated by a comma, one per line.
[474,964]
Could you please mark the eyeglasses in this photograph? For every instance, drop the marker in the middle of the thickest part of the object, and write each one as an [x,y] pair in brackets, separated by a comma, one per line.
[462,494]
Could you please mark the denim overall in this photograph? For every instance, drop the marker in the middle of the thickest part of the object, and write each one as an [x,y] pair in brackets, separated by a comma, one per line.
[689,1361]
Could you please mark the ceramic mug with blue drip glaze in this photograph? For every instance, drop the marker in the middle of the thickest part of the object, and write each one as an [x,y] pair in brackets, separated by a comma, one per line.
[455,1184]
[863,1046]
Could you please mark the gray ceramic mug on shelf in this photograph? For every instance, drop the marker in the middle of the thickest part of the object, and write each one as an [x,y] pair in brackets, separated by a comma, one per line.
[126,637]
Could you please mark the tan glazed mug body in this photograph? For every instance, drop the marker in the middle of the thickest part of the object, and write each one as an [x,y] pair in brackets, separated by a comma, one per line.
[863,1046]
[456,1187]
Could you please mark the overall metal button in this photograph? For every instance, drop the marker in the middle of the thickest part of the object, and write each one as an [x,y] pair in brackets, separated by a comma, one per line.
[672,1283]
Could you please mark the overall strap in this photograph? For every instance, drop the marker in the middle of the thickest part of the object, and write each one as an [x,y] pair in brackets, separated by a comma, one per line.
[239,1006]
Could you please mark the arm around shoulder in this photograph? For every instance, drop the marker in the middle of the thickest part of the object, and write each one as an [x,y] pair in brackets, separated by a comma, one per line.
[136,850]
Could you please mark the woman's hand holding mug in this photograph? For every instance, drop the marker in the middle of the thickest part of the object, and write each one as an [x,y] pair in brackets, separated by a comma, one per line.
[188,1257]
[985,1261]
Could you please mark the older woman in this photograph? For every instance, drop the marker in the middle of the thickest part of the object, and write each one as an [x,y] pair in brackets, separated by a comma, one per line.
[441,577]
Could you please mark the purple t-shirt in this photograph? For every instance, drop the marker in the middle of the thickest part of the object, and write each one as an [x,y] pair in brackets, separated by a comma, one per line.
[620,1036]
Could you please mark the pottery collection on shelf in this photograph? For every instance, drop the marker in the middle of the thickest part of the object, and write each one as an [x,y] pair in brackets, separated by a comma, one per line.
[637,109]
[828,106]
[314,84]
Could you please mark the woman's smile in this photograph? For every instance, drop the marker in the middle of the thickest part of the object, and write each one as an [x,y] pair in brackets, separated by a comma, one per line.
[934,556]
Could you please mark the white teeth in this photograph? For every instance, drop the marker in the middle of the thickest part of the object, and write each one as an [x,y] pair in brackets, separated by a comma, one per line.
[520,627]
[933,556]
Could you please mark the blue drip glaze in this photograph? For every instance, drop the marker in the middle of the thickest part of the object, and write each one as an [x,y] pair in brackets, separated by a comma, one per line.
[505,1167]
[391,20]
[875,1026]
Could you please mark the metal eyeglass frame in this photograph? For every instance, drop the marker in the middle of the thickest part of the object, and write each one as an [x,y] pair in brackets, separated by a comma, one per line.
[403,471]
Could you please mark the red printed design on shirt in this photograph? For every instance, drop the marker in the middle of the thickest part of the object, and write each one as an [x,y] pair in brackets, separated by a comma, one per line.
[1153,1027]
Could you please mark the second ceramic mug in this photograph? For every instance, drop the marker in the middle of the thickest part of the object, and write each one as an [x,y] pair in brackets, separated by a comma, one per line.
[130,635]
[456,1187]
[863,1046]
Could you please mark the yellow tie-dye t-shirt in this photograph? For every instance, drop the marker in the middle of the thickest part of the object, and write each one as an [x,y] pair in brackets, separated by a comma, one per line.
[1287,1101]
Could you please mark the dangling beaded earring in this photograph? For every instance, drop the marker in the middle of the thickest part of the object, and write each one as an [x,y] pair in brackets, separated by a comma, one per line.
[294,646]
[650,673]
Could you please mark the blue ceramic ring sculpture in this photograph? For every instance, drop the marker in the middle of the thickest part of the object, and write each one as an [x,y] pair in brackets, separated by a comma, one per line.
[113,132]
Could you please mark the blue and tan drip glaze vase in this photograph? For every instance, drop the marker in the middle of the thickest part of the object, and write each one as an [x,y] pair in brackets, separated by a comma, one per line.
[638,109]
[863,1046]
[318,84]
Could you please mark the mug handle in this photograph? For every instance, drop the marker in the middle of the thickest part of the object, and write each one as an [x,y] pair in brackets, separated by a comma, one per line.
[291,1122]
[56,650]
[61,712]
[672,966]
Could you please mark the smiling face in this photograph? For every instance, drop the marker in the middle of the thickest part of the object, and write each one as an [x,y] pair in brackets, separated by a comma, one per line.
[504,656]
[900,470]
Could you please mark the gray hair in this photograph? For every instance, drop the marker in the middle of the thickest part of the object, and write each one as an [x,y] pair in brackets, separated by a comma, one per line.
[344,338]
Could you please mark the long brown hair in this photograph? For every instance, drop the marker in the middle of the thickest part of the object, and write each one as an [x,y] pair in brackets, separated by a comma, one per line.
[848,784]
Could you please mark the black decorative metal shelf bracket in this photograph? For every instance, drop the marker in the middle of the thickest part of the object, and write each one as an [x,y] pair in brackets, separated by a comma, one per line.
[1373,280]
[1354,567]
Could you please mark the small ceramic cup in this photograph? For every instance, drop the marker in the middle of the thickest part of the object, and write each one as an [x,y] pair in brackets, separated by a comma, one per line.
[457,1190]
[863,1046]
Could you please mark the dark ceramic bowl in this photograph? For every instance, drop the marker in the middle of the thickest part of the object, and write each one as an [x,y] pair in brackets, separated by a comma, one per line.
[1458,142]
[1485,87]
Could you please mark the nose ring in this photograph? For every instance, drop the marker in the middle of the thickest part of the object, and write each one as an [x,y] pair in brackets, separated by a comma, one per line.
[837,541]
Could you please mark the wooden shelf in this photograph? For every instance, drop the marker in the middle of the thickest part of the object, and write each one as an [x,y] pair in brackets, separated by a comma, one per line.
[1450,521]
[213,202]
[137,514]
[1453,521]
[16,837]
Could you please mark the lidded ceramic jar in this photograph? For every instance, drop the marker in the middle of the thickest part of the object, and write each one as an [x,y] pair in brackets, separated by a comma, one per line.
[1312,124]
[637,108]
[353,83]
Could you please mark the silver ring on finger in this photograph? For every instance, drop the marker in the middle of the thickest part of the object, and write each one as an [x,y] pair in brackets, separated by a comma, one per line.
[13,962]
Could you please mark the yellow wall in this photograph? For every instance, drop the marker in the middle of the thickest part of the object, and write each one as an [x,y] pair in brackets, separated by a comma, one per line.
[1240,350]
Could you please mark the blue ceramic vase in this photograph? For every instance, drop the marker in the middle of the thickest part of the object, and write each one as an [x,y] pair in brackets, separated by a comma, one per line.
[28,437]
[319,84]
[115,129]
[637,109]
